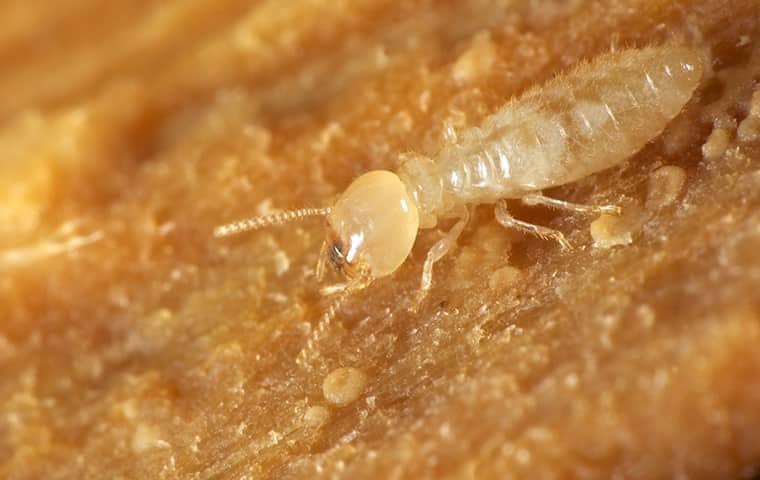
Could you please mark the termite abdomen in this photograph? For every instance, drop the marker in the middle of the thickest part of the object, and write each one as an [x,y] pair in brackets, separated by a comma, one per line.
[579,123]
[623,104]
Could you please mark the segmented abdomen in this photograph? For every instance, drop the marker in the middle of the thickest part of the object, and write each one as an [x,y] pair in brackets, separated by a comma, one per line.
[577,124]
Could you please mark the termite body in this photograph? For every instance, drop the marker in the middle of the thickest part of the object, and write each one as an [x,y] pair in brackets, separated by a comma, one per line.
[585,121]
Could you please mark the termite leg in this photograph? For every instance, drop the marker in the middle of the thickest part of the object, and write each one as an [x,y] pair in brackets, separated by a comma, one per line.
[328,290]
[539,199]
[436,252]
[508,221]
[322,261]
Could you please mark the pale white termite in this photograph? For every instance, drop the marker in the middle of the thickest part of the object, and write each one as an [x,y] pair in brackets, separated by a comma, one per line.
[587,120]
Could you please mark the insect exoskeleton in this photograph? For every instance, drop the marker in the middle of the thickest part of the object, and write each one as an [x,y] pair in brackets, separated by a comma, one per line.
[373,224]
[587,120]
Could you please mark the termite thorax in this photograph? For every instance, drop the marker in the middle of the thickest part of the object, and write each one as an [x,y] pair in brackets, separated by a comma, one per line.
[422,178]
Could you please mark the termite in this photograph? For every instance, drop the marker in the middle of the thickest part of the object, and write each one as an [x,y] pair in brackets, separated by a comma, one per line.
[589,119]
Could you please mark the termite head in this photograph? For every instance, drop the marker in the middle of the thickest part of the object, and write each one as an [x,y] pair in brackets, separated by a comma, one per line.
[373,226]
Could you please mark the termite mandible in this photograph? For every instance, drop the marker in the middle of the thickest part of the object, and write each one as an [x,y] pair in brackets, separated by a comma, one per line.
[587,120]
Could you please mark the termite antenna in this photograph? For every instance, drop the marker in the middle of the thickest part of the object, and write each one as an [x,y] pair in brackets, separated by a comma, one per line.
[341,292]
[307,353]
[279,218]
